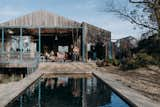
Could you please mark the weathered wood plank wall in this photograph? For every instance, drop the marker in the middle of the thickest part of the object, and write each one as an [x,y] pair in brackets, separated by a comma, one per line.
[42,18]
[96,34]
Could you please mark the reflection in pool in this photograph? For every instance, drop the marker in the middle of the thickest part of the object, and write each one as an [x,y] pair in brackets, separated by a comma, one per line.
[6,78]
[69,92]
[8,75]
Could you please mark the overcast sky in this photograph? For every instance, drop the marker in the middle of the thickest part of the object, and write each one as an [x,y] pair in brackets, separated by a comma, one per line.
[89,11]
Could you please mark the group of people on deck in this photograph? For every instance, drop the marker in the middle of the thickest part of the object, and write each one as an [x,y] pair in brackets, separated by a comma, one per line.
[73,55]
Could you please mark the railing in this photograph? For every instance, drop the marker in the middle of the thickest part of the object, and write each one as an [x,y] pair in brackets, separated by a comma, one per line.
[26,59]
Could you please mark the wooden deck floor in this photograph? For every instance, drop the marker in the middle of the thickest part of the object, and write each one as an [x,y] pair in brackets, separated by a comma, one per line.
[12,90]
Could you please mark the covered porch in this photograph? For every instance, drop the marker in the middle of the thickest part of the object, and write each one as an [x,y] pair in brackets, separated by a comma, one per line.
[26,45]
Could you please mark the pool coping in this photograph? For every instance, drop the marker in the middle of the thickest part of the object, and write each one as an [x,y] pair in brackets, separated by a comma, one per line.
[18,89]
[132,97]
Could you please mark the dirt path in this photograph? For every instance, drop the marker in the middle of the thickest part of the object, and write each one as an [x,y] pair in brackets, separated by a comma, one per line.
[144,80]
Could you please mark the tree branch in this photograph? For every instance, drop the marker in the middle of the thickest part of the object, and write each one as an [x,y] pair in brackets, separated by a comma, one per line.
[131,19]
[145,2]
[153,3]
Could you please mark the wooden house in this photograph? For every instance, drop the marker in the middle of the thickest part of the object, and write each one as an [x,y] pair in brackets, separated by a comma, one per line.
[24,39]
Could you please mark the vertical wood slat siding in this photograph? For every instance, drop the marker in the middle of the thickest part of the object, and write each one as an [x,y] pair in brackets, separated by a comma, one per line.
[42,18]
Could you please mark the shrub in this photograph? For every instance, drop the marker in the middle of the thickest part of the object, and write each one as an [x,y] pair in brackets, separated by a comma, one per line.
[116,62]
[140,60]
[143,59]
[130,64]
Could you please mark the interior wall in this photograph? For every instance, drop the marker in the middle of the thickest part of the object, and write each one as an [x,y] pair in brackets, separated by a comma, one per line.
[48,43]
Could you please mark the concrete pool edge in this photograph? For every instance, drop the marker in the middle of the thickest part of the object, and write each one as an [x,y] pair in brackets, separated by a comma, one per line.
[134,98]
[82,68]
[14,91]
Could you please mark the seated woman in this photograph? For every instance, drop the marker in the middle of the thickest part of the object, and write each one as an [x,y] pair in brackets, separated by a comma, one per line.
[52,56]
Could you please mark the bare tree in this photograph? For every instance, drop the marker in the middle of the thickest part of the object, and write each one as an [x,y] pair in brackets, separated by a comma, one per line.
[144,13]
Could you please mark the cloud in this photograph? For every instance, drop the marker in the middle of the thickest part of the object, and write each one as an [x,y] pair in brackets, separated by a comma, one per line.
[9,12]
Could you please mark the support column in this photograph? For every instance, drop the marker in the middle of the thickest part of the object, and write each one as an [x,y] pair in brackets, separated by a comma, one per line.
[39,43]
[2,40]
[84,43]
[110,50]
[39,40]
[108,53]
[21,52]
[107,49]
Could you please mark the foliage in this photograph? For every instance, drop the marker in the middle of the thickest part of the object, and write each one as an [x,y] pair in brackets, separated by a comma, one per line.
[150,45]
[140,60]
[147,53]
[143,59]
[145,14]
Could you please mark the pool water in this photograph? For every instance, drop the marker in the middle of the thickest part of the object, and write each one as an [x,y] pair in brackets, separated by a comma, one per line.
[69,92]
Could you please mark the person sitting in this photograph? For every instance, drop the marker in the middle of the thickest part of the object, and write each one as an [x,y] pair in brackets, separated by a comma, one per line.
[66,56]
[52,56]
[60,56]
[52,53]
[46,55]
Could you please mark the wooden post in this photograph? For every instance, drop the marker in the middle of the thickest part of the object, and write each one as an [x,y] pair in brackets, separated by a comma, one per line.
[107,46]
[113,51]
[21,52]
[39,43]
[84,43]
[39,39]
[2,39]
[110,50]
[106,49]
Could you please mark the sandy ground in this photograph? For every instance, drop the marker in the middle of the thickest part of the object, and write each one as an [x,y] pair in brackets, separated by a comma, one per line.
[144,80]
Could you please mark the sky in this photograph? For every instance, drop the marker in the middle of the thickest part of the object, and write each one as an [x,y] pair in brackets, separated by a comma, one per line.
[90,11]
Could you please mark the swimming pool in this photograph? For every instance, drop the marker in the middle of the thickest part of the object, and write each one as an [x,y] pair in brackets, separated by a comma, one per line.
[6,78]
[64,91]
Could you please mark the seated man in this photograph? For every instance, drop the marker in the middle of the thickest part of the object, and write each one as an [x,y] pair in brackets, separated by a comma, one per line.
[76,53]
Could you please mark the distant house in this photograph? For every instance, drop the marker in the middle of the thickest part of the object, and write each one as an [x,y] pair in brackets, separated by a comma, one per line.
[127,42]
[123,45]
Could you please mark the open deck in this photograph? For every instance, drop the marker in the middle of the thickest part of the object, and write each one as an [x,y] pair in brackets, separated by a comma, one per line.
[46,70]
